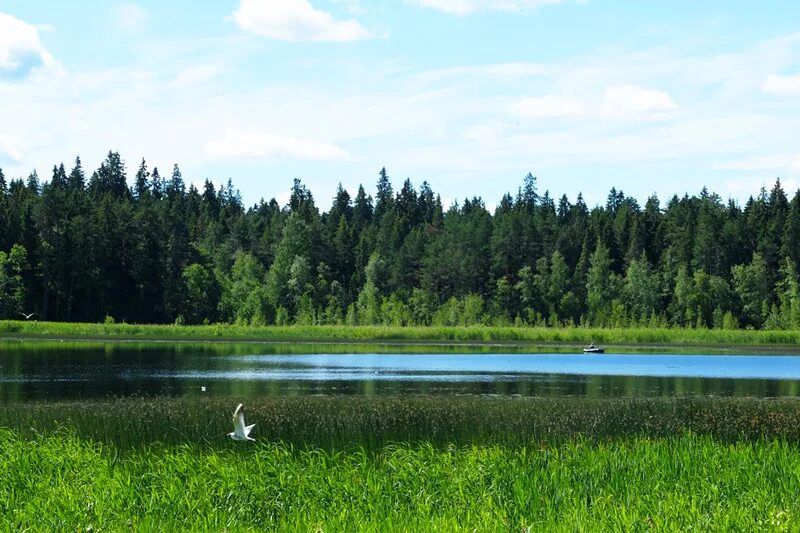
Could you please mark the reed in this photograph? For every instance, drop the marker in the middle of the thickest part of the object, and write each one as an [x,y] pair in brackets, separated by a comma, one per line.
[685,482]
[371,423]
[573,336]
[402,464]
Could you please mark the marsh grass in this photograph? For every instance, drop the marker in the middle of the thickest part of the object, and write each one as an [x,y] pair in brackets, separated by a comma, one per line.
[687,482]
[574,336]
[402,464]
[371,423]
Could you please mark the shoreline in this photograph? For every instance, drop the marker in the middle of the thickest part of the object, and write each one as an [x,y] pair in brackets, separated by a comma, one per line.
[627,340]
[564,348]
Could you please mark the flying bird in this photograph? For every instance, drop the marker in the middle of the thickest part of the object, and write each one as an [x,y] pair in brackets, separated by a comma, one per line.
[240,431]
[28,316]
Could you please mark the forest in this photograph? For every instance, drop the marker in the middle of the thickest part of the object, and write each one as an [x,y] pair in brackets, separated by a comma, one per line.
[94,249]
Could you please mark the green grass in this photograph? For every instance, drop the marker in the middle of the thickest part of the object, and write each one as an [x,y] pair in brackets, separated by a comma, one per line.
[475,334]
[370,423]
[402,464]
[679,483]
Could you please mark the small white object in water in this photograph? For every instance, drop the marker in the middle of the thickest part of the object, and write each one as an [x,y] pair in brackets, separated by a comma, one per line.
[202,388]
[240,431]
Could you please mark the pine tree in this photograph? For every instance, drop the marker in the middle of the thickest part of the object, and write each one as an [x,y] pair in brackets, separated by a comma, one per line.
[77,178]
[791,231]
[141,187]
[175,188]
[157,184]
[384,198]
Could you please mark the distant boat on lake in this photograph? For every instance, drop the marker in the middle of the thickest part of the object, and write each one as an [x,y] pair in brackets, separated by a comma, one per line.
[594,349]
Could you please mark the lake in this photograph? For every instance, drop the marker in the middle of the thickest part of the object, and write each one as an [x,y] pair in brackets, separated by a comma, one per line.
[54,371]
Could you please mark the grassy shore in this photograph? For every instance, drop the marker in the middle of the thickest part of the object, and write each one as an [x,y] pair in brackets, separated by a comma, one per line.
[404,464]
[776,339]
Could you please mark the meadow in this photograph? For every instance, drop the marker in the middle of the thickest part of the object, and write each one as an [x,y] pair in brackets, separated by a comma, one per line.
[779,340]
[402,463]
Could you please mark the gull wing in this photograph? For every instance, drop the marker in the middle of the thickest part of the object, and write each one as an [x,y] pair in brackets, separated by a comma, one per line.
[248,429]
[238,422]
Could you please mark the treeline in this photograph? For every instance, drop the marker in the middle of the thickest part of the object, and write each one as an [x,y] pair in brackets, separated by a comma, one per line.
[74,248]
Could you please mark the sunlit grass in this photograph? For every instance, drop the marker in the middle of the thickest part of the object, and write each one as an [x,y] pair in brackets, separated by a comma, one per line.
[475,334]
[680,483]
[402,464]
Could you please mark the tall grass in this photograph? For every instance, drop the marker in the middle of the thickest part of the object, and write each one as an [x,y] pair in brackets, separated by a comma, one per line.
[473,334]
[682,483]
[402,464]
[370,423]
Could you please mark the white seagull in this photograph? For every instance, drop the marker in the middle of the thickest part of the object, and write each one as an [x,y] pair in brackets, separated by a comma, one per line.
[240,431]
[27,317]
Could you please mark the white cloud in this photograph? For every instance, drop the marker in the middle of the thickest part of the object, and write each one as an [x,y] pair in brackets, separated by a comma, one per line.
[782,85]
[547,106]
[466,7]
[9,147]
[20,48]
[495,71]
[631,101]
[796,164]
[256,144]
[485,133]
[296,20]
[764,162]
[195,75]
[130,15]
[353,7]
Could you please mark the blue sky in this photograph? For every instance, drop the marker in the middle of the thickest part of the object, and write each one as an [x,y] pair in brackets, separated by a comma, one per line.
[470,95]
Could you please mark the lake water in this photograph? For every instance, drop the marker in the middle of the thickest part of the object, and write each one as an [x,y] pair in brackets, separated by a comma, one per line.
[52,371]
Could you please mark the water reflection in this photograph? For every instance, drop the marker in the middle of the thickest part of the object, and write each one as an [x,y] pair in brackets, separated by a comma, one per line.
[77,370]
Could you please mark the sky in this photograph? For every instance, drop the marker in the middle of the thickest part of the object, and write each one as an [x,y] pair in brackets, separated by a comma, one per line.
[470,95]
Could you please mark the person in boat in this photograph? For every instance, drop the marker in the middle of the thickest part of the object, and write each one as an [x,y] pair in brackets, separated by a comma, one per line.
[592,346]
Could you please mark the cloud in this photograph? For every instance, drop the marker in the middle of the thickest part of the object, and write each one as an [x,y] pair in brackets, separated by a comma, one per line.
[296,20]
[782,85]
[9,149]
[796,164]
[496,71]
[630,101]
[130,15]
[547,106]
[764,162]
[353,7]
[256,144]
[21,51]
[195,75]
[466,7]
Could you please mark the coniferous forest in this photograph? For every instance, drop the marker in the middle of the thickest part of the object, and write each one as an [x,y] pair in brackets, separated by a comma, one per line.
[83,246]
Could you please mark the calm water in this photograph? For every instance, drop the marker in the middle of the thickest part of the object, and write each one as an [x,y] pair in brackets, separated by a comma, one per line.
[73,370]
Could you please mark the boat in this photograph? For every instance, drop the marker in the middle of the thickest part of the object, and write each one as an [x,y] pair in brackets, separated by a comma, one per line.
[594,349]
